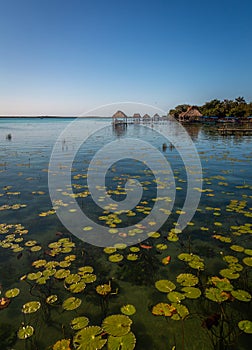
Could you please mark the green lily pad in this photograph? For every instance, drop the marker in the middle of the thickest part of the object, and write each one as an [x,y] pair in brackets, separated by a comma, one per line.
[161,246]
[85,269]
[117,325]
[115,257]
[128,309]
[175,297]
[222,283]
[235,267]
[241,295]
[215,294]
[163,309]
[125,342]
[62,344]
[185,257]
[132,257]
[247,261]
[71,303]
[51,299]
[89,338]
[103,289]
[77,287]
[30,307]
[245,326]
[12,293]
[89,277]
[48,272]
[79,323]
[196,264]
[72,278]
[42,280]
[248,251]
[25,332]
[229,273]
[187,279]
[237,248]
[191,292]
[181,312]
[109,250]
[61,274]
[134,249]
[34,276]
[230,259]
[165,286]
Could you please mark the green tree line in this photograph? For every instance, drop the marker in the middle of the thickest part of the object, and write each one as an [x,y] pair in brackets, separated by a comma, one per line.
[238,108]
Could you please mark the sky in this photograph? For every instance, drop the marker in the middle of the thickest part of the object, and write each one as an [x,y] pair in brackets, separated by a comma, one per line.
[67,57]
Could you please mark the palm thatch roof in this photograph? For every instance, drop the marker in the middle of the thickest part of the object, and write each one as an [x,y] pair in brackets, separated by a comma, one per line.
[136,115]
[192,112]
[119,115]
[146,116]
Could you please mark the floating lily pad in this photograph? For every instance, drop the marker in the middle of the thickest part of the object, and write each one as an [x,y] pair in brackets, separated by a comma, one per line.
[77,287]
[230,259]
[165,286]
[222,283]
[89,338]
[63,344]
[125,342]
[132,257]
[235,267]
[115,257]
[89,277]
[215,294]
[117,325]
[34,276]
[72,278]
[128,309]
[245,326]
[36,248]
[134,249]
[79,322]
[185,257]
[71,303]
[175,297]
[85,269]
[161,246]
[192,292]
[241,295]
[163,309]
[61,274]
[120,245]
[237,248]
[248,261]
[31,307]
[103,289]
[25,332]
[248,251]
[187,279]
[181,311]
[230,274]
[51,299]
[109,250]
[12,293]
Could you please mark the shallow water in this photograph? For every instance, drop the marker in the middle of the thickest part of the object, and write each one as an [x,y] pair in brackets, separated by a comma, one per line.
[216,228]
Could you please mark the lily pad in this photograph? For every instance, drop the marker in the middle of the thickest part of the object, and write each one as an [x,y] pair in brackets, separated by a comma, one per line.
[117,325]
[237,248]
[115,257]
[248,260]
[34,276]
[109,250]
[132,257]
[222,283]
[163,309]
[12,293]
[241,295]
[125,342]
[181,311]
[103,289]
[72,278]
[61,274]
[215,294]
[85,269]
[128,309]
[51,299]
[192,292]
[185,257]
[230,274]
[25,332]
[187,279]
[230,259]
[89,277]
[30,307]
[71,303]
[77,287]
[248,251]
[165,286]
[63,344]
[79,322]
[175,297]
[89,338]
[245,326]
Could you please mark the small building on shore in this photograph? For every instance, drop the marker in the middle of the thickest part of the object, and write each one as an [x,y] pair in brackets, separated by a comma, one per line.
[146,118]
[119,118]
[136,118]
[191,115]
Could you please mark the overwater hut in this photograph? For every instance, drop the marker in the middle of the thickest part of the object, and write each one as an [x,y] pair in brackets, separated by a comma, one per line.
[146,118]
[119,118]
[191,115]
[156,117]
[136,118]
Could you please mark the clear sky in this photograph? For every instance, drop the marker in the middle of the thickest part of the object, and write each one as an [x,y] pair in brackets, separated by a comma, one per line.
[65,57]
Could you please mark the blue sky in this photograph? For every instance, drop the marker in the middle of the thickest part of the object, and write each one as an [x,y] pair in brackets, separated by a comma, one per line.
[65,57]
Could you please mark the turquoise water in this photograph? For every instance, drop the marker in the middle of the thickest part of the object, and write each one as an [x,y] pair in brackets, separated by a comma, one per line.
[221,223]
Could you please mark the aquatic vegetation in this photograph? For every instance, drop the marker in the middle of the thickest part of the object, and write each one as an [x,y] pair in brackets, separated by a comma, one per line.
[89,338]
[128,309]
[31,306]
[245,326]
[117,325]
[165,286]
[71,303]
[125,342]
[79,323]
[25,332]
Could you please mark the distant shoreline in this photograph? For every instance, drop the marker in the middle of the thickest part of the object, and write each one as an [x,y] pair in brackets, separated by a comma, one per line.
[49,117]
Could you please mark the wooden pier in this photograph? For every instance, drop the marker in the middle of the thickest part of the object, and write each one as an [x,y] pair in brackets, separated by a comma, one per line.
[235,131]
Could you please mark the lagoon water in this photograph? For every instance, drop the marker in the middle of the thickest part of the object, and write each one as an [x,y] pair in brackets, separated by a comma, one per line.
[215,247]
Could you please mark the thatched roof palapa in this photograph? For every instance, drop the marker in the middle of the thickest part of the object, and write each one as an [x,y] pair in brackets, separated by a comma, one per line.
[191,114]
[119,115]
